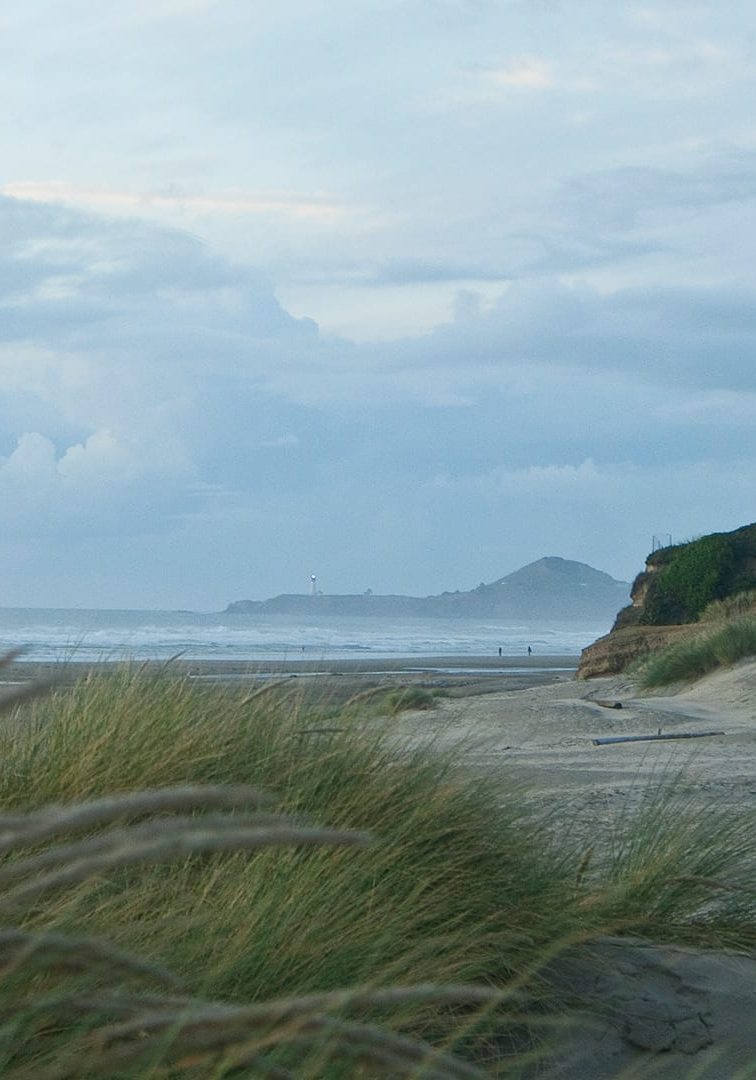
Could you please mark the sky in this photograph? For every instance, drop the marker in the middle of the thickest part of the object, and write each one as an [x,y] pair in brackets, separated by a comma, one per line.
[402,293]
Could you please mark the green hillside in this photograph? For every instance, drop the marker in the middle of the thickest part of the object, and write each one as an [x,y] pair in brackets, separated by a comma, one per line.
[683,579]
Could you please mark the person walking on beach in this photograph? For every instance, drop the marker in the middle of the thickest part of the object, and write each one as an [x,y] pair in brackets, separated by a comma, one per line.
[530,651]
[500,650]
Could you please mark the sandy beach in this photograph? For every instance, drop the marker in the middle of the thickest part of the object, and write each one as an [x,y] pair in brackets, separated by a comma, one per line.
[542,736]
[458,676]
[641,1008]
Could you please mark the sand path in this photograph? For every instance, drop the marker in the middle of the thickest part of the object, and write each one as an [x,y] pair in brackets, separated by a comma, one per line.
[543,736]
[642,1009]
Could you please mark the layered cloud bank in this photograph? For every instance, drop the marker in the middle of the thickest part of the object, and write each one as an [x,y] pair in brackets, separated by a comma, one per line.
[156,397]
[401,315]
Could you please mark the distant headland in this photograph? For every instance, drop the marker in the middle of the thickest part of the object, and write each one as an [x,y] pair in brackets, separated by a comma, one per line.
[550,588]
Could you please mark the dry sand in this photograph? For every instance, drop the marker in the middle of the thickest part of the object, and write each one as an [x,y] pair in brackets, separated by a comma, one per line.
[634,1008]
[544,734]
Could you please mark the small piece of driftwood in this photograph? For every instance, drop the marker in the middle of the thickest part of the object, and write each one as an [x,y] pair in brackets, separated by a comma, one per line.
[606,740]
[608,704]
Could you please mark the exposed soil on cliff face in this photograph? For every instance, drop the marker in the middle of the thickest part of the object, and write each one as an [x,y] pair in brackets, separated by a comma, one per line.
[615,652]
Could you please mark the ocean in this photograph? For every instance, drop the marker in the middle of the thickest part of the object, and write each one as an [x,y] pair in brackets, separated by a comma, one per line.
[67,634]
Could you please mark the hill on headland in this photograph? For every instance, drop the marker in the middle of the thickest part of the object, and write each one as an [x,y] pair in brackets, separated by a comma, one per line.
[550,588]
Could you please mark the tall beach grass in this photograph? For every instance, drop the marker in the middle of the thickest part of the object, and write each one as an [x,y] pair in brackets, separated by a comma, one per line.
[732,607]
[720,644]
[457,875]
[458,882]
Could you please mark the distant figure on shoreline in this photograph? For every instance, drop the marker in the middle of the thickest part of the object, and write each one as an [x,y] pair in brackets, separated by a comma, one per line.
[500,650]
[530,651]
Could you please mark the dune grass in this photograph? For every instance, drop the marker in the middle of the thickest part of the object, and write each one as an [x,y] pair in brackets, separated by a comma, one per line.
[452,881]
[721,645]
[67,1004]
[678,869]
[742,603]
[461,882]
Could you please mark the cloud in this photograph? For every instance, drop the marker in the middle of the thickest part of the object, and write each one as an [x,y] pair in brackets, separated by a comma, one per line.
[566,481]
[33,461]
[567,507]
[553,482]
[499,84]
[280,442]
[716,408]
[115,339]
[101,460]
[233,203]
[413,271]
[618,197]
[149,387]
[676,65]
[539,228]
[632,223]
[682,337]
[526,73]
[177,326]
[105,486]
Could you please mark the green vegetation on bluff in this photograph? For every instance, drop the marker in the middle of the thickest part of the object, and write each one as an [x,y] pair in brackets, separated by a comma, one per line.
[687,586]
[686,578]
[709,583]
[465,880]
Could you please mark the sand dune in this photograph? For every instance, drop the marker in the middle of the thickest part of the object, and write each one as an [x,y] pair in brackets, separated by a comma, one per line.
[544,735]
[636,1008]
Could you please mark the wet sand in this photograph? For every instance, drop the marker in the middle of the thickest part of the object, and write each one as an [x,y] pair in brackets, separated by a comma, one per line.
[459,676]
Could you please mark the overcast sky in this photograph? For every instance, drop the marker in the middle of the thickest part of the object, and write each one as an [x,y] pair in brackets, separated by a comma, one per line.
[404,293]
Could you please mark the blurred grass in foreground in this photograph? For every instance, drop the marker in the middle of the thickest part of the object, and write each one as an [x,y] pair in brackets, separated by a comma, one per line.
[462,883]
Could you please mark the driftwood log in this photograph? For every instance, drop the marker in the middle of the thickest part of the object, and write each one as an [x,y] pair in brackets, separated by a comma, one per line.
[608,739]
